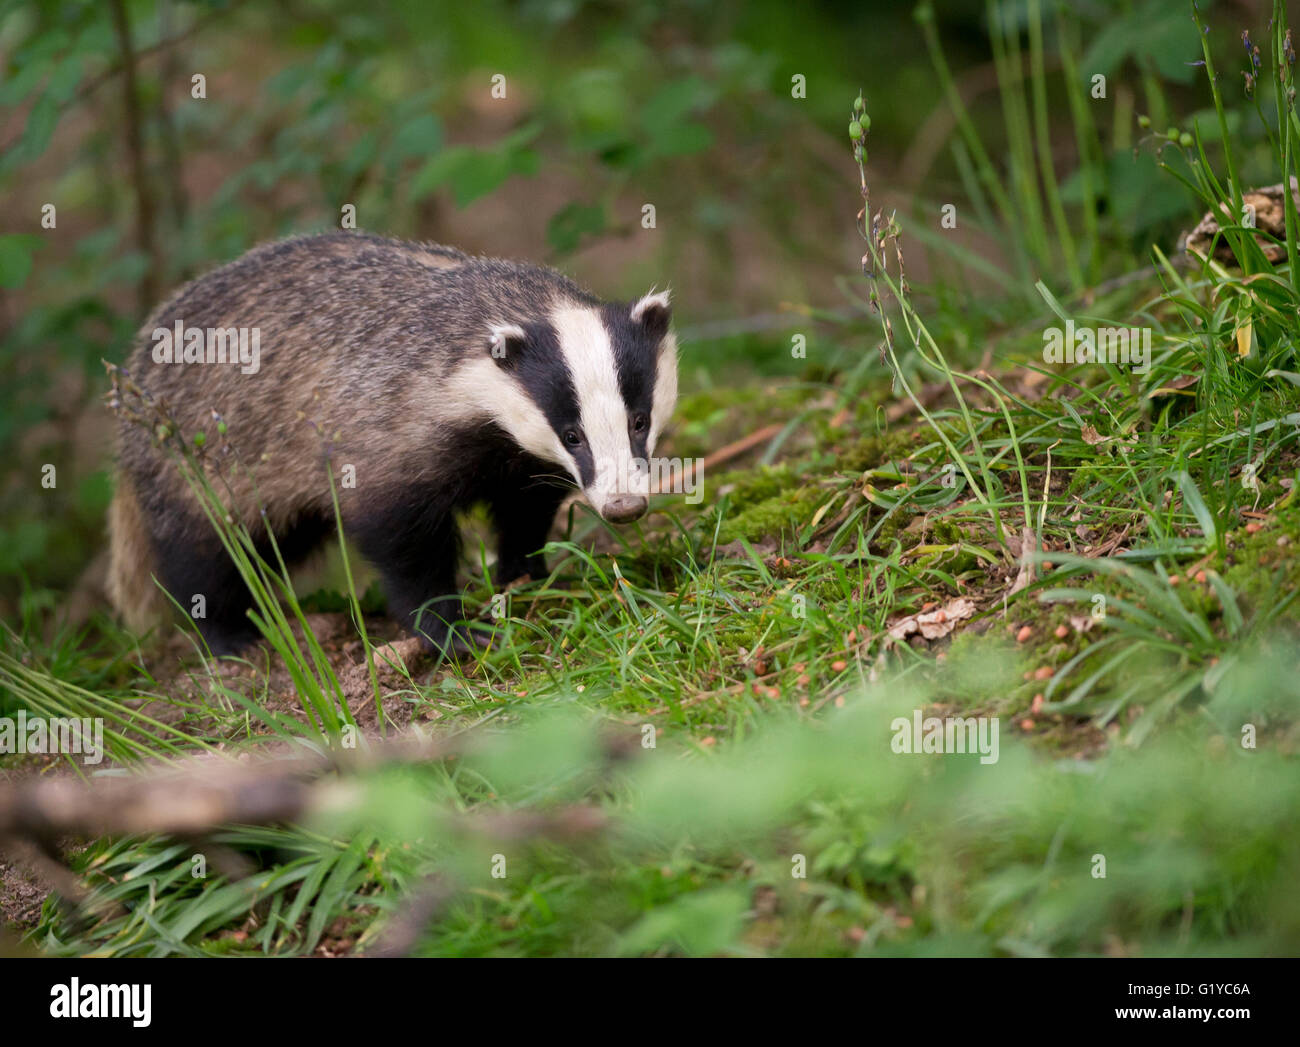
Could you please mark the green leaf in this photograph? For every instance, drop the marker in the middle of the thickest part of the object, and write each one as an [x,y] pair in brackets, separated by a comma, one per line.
[419,136]
[16,251]
[699,924]
[567,227]
[1196,505]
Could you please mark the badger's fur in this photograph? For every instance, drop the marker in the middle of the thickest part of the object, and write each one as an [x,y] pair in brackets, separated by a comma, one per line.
[444,380]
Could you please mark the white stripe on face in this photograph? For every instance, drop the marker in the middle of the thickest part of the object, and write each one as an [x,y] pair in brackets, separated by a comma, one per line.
[585,346]
[480,389]
[664,400]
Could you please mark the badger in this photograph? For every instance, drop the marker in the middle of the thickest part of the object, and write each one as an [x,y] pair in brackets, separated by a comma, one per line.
[443,380]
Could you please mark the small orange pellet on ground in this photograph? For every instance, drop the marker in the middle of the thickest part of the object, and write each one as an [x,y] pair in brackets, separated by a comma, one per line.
[1036,705]
[1174,579]
[803,703]
[1026,631]
[1026,725]
[839,665]
[1043,672]
[710,740]
[1062,632]
[1254,527]
[774,692]
[804,680]
[839,702]
[929,605]
[1200,577]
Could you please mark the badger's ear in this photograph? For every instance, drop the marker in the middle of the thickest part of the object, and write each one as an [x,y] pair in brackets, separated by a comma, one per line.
[653,313]
[506,342]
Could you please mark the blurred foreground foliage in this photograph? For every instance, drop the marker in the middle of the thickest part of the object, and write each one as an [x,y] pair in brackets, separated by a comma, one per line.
[835,845]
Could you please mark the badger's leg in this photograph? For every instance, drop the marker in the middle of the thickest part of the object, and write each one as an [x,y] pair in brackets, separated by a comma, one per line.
[416,550]
[203,580]
[197,565]
[523,516]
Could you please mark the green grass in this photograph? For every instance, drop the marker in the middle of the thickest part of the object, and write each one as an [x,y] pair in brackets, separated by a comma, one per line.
[750,638]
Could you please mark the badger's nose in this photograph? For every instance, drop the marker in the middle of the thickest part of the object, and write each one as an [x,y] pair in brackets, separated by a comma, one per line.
[624,508]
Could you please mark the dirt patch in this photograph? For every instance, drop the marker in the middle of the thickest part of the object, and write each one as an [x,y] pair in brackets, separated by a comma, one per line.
[200,695]
[21,897]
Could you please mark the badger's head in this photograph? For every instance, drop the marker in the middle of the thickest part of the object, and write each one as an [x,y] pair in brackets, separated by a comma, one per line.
[590,388]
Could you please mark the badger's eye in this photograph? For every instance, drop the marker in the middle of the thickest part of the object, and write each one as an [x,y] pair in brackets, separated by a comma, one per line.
[640,423]
[572,437]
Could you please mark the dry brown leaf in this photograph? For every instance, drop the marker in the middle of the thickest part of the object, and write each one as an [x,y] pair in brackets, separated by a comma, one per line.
[1268,206]
[1176,386]
[1026,575]
[933,625]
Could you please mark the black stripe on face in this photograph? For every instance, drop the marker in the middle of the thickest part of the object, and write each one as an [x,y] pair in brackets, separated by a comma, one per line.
[540,369]
[636,357]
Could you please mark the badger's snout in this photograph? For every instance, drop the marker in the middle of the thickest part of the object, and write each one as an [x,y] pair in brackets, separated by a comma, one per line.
[624,508]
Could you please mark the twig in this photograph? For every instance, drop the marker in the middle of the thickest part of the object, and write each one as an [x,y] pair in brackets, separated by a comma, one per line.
[725,454]
[144,230]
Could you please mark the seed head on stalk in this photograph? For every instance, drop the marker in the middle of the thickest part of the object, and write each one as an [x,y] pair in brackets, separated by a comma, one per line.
[877,230]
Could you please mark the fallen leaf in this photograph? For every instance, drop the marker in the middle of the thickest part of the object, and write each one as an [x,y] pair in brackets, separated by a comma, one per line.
[1177,386]
[936,624]
[1025,576]
[1268,205]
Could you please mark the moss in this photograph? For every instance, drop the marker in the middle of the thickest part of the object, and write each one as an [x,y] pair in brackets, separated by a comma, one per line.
[952,560]
[868,452]
[822,591]
[893,529]
[779,514]
[947,532]
[980,669]
[655,565]
[748,487]
[1261,570]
